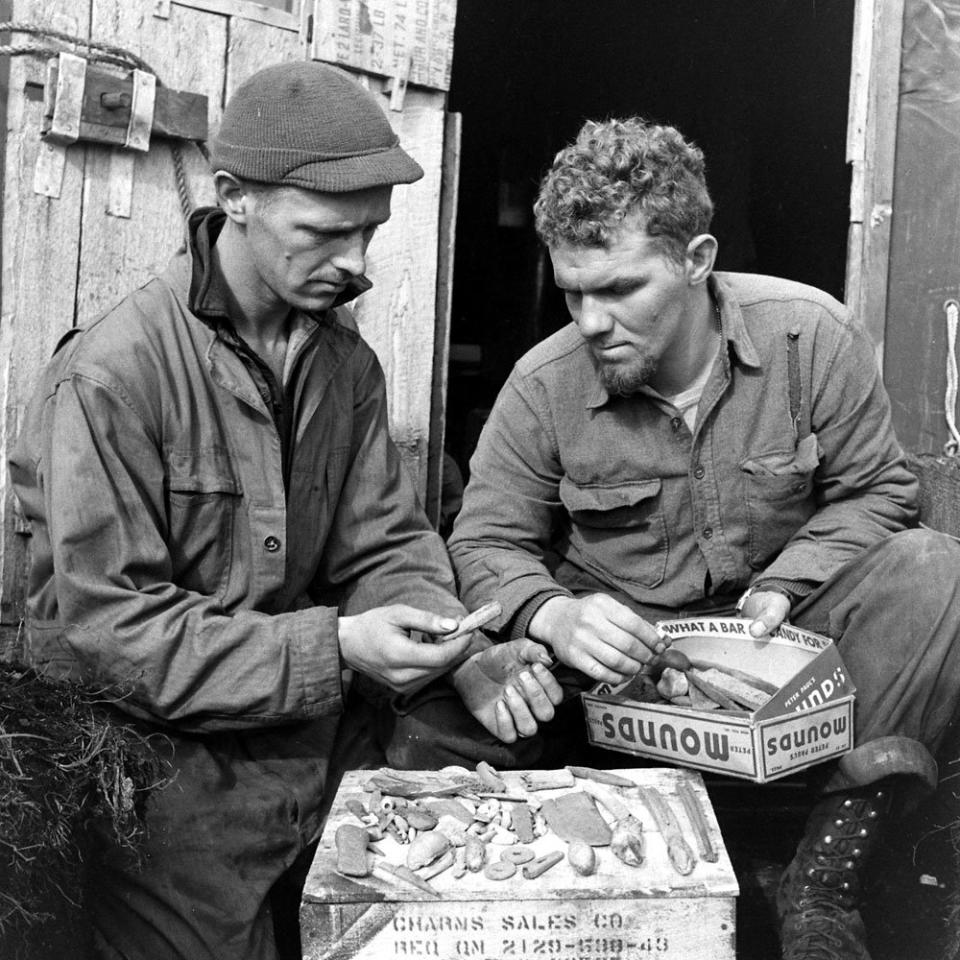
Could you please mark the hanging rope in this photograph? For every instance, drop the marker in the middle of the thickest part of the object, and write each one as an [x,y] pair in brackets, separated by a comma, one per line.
[108,52]
[952,447]
[100,53]
[180,176]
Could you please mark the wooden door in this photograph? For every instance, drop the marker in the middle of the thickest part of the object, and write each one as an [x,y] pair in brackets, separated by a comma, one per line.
[871,137]
[920,366]
[903,278]
[114,217]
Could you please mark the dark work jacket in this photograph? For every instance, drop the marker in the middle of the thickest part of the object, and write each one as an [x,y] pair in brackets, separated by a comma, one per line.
[168,559]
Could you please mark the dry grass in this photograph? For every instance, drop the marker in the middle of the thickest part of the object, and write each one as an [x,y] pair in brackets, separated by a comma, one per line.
[66,763]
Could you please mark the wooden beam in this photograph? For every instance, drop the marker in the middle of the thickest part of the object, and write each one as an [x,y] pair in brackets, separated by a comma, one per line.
[6,14]
[248,10]
[11,608]
[449,191]
[398,316]
[871,149]
[107,99]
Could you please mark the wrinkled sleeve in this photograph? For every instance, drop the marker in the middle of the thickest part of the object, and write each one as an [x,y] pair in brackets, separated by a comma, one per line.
[174,656]
[864,491]
[511,509]
[382,549]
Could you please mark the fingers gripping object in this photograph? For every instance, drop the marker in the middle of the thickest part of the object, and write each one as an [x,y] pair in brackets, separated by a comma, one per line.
[884,757]
[670,658]
[474,621]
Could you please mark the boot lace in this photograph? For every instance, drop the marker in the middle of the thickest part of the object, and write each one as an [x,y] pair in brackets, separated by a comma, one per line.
[818,936]
[830,882]
[820,894]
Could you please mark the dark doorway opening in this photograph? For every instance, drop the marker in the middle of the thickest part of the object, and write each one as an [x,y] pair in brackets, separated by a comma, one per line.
[760,85]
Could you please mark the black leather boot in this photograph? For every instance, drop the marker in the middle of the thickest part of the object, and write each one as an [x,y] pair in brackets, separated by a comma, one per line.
[819,897]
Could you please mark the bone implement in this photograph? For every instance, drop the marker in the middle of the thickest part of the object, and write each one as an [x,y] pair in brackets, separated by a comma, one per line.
[678,850]
[626,841]
[474,621]
[600,776]
[694,811]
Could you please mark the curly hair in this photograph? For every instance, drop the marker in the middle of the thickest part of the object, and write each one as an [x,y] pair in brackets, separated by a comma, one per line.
[619,167]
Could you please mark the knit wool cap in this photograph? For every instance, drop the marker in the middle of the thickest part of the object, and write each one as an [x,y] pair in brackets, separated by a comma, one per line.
[309,125]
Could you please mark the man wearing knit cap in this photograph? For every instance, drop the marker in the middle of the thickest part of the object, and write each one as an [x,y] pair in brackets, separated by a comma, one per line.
[224,535]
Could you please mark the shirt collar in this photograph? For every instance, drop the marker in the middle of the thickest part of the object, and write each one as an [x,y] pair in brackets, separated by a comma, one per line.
[733,330]
[731,322]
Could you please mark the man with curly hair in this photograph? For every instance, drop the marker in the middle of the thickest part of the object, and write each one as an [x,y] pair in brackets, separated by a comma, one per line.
[700,442]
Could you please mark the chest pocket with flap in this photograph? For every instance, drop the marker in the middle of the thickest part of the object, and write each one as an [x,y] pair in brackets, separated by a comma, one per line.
[618,531]
[778,490]
[203,495]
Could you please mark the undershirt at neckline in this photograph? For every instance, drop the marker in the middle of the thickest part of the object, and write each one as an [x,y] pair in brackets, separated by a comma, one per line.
[687,400]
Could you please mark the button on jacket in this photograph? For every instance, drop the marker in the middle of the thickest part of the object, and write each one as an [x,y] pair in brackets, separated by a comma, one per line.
[791,470]
[170,556]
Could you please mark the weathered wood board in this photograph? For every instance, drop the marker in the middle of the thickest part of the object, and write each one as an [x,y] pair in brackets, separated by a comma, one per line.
[41,248]
[412,38]
[871,140]
[120,253]
[617,913]
[253,45]
[397,317]
[925,236]
[283,15]
[449,192]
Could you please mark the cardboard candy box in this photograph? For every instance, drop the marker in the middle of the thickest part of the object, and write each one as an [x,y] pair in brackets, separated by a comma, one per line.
[805,718]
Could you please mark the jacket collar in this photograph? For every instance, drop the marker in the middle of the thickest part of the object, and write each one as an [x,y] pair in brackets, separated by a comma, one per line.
[732,328]
[208,289]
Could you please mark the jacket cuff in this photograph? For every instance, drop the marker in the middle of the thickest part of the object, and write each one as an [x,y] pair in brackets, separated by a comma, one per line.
[793,590]
[315,661]
[521,621]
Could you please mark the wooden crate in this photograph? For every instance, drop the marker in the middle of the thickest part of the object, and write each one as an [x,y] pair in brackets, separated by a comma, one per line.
[618,913]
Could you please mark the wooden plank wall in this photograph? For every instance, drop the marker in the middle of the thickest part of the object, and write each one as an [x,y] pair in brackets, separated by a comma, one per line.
[449,193]
[925,238]
[67,259]
[871,139]
[391,43]
[410,38]
[41,250]
[119,253]
[397,316]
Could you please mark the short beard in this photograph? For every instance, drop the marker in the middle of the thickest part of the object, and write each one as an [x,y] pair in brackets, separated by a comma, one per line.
[624,380]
